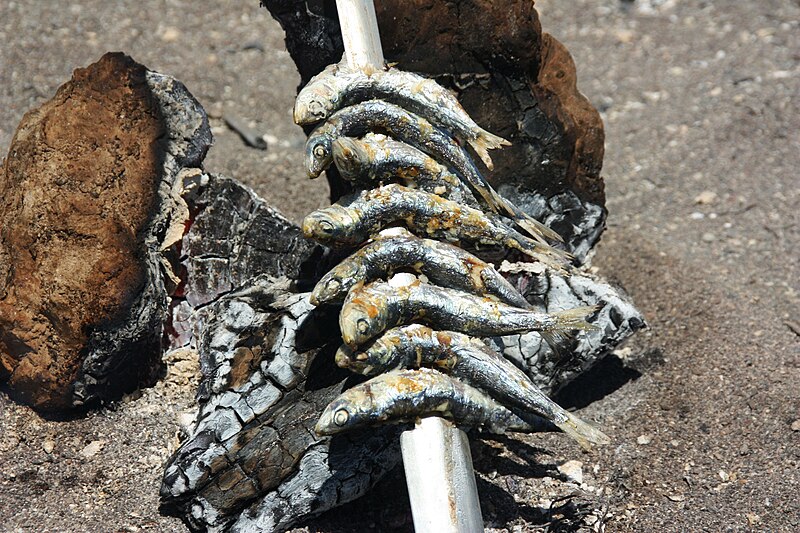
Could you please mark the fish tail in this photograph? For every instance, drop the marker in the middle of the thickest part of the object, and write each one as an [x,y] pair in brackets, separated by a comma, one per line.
[484,142]
[552,257]
[584,433]
[556,340]
[574,318]
[533,227]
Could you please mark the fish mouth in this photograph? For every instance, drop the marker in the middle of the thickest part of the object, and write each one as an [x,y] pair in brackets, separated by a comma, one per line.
[344,357]
[298,114]
[323,427]
[314,169]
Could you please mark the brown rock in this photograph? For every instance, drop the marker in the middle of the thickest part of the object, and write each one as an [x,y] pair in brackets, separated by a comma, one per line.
[80,191]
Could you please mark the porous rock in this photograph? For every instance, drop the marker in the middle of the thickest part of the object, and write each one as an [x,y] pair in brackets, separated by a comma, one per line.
[88,199]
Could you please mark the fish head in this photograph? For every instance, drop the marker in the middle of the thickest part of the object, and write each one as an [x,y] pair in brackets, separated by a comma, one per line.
[330,225]
[315,102]
[369,361]
[319,153]
[351,157]
[366,312]
[335,284]
[353,409]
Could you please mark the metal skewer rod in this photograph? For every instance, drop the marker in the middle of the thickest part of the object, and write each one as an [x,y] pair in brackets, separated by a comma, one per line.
[439,474]
[362,42]
[436,454]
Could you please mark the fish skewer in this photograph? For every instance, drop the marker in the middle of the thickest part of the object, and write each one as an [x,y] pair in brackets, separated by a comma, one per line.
[377,159]
[405,395]
[377,306]
[470,360]
[404,126]
[441,263]
[338,86]
[355,219]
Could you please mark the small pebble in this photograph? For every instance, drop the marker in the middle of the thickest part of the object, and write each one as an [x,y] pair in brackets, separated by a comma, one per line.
[705,198]
[91,449]
[796,425]
[573,471]
[644,439]
[48,446]
[171,35]
[625,36]
[709,237]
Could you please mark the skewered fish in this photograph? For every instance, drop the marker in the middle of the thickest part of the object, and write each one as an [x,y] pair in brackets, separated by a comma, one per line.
[355,219]
[377,306]
[404,395]
[441,263]
[470,360]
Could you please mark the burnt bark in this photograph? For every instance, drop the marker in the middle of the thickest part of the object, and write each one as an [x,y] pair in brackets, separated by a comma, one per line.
[512,78]
[88,201]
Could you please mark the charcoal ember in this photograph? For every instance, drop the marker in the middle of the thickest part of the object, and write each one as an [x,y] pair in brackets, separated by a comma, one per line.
[233,235]
[617,320]
[267,373]
[511,77]
[88,202]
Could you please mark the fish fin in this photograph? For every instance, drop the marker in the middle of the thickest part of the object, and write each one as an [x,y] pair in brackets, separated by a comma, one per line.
[584,433]
[555,340]
[575,318]
[484,142]
[533,227]
[552,257]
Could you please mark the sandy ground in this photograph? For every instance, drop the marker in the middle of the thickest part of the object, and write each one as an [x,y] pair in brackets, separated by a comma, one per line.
[701,102]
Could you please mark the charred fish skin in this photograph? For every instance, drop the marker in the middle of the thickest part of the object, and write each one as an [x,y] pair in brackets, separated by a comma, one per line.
[338,86]
[380,159]
[378,306]
[407,127]
[442,263]
[356,218]
[470,360]
[405,395]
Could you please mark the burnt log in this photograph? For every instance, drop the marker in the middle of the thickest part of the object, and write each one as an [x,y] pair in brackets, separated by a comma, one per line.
[88,203]
[251,461]
[511,77]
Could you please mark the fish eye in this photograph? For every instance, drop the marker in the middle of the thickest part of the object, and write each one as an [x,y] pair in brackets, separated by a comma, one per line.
[320,151]
[333,285]
[362,325]
[325,227]
[316,109]
[341,417]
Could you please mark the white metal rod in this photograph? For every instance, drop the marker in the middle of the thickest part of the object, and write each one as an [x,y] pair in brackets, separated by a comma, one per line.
[440,478]
[362,42]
